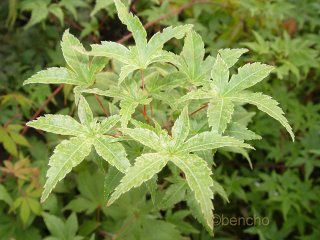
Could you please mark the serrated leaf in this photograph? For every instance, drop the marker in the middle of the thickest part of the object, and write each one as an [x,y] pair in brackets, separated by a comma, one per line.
[241,132]
[108,123]
[54,75]
[198,176]
[219,114]
[220,74]
[247,76]
[126,71]
[160,38]
[113,152]
[197,94]
[210,140]
[84,112]
[58,124]
[145,167]
[174,193]
[217,188]
[266,104]
[76,60]
[111,181]
[231,56]
[68,154]
[181,127]
[111,50]
[191,59]
[133,24]
[143,136]
[128,107]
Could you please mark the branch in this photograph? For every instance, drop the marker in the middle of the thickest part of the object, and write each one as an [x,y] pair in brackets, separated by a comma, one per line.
[100,103]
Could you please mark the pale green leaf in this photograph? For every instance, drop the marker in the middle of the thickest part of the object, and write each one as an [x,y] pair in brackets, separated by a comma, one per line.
[181,127]
[266,104]
[197,94]
[5,196]
[241,132]
[220,74]
[191,59]
[113,152]
[198,176]
[128,107]
[54,75]
[84,112]
[76,60]
[160,38]
[210,140]
[111,50]
[145,167]
[108,123]
[219,114]
[144,136]
[247,76]
[125,71]
[58,124]
[231,56]
[134,25]
[67,155]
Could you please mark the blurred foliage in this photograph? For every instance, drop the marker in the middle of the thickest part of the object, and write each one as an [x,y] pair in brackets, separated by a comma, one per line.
[284,182]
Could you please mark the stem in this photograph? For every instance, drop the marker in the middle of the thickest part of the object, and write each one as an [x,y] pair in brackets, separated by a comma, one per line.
[199,109]
[5,125]
[101,105]
[121,230]
[143,89]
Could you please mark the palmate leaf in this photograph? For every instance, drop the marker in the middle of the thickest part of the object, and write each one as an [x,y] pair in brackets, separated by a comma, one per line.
[266,104]
[220,74]
[127,108]
[113,152]
[58,124]
[241,132]
[231,56]
[112,50]
[181,127]
[145,167]
[108,123]
[199,179]
[84,112]
[67,155]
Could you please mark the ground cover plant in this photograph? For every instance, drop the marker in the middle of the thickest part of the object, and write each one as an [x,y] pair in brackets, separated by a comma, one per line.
[149,132]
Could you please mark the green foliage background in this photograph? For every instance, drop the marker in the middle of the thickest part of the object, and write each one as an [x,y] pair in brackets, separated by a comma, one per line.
[283,184]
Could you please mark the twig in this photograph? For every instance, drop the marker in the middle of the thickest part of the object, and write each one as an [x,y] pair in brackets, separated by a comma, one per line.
[169,14]
[43,106]
[6,124]
[100,103]
[144,106]
[199,109]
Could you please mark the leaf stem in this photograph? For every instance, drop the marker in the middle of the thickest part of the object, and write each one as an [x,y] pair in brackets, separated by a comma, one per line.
[101,105]
[199,109]
[143,89]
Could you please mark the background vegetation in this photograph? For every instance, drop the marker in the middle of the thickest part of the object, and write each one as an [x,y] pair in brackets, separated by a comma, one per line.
[284,183]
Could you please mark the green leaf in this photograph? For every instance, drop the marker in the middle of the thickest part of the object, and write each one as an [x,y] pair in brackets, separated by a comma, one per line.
[108,123]
[100,4]
[160,38]
[220,74]
[58,124]
[217,188]
[145,167]
[266,104]
[5,196]
[143,136]
[54,75]
[247,76]
[133,24]
[68,154]
[231,56]
[111,181]
[39,11]
[54,225]
[219,114]
[113,152]
[174,193]
[191,61]
[84,112]
[8,142]
[241,132]
[181,127]
[76,60]
[128,107]
[198,176]
[111,50]
[210,140]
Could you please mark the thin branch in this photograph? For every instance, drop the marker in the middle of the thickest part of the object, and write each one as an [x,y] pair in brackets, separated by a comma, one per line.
[6,124]
[143,87]
[42,107]
[121,230]
[101,105]
[199,109]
